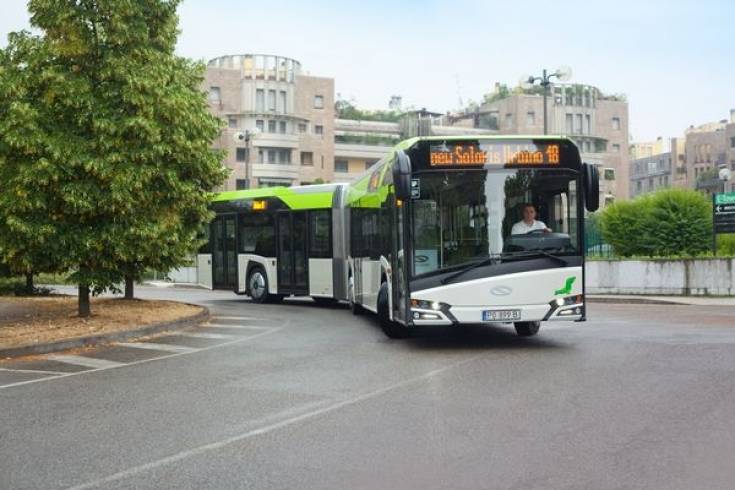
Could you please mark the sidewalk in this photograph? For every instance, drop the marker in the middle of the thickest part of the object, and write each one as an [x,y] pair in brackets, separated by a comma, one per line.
[662,300]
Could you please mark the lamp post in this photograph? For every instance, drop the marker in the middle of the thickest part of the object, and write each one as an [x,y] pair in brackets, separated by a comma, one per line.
[563,74]
[245,137]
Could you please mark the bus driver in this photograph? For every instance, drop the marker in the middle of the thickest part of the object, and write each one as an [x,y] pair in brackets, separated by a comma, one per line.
[529,222]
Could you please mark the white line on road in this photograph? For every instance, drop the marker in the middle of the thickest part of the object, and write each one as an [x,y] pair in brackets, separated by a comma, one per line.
[135,470]
[243,327]
[203,335]
[31,371]
[143,361]
[154,346]
[85,361]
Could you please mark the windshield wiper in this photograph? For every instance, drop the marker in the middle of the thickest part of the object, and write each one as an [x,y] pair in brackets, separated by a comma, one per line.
[474,265]
[532,253]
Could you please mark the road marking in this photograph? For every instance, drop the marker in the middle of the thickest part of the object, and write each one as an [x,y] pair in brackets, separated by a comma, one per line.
[243,327]
[143,361]
[32,371]
[154,346]
[135,470]
[85,361]
[203,335]
[234,318]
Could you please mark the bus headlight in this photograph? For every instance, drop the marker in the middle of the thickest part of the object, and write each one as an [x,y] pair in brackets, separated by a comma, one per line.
[421,304]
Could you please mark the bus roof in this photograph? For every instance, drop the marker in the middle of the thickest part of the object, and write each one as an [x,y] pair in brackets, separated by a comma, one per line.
[408,143]
[297,197]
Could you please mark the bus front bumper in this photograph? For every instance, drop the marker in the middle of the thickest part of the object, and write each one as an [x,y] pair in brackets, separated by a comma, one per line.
[519,313]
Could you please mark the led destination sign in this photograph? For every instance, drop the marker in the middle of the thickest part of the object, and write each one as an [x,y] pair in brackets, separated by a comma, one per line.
[461,155]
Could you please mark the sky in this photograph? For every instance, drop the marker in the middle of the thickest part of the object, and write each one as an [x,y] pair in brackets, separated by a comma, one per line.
[672,59]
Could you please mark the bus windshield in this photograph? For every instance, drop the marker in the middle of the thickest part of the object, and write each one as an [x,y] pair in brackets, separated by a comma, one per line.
[459,217]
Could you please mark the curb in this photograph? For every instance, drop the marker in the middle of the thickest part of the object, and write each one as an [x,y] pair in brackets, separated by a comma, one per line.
[90,340]
[634,301]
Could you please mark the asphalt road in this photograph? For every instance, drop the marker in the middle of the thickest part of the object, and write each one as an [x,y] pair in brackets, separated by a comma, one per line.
[300,396]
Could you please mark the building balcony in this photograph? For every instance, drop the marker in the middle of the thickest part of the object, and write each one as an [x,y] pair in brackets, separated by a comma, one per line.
[275,171]
[277,140]
[361,151]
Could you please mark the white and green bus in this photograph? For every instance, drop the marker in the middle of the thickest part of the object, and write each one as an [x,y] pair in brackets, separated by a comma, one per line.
[425,237]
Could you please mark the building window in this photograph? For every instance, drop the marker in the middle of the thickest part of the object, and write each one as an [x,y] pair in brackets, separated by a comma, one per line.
[341,166]
[274,155]
[307,158]
[587,124]
[241,154]
[530,118]
[302,127]
[318,129]
[282,127]
[232,122]
[260,100]
[609,200]
[616,148]
[569,122]
[214,95]
[609,174]
[639,186]
[282,96]
[732,142]
[368,164]
[260,125]
[318,102]
[272,126]
[508,120]
[578,123]
[241,184]
[272,100]
[616,123]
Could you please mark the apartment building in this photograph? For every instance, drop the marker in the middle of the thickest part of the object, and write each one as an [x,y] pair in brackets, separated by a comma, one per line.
[279,122]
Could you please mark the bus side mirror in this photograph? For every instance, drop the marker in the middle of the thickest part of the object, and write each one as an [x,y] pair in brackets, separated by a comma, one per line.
[402,176]
[591,183]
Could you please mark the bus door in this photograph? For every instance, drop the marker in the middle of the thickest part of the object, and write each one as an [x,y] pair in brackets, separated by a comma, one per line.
[224,252]
[293,262]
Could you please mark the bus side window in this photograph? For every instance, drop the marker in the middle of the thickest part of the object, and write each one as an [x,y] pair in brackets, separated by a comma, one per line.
[320,236]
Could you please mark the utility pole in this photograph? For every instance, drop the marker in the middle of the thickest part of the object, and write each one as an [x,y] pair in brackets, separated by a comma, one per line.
[562,74]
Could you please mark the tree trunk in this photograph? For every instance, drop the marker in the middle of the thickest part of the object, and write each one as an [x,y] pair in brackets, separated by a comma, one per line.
[84,307]
[129,287]
[29,283]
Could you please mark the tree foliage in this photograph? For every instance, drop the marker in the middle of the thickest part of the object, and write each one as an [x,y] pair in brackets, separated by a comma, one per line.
[668,222]
[104,141]
[346,109]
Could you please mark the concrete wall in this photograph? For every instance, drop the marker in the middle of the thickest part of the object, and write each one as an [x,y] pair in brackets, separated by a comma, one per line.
[696,277]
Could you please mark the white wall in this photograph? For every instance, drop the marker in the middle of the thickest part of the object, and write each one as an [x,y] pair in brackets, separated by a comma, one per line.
[696,277]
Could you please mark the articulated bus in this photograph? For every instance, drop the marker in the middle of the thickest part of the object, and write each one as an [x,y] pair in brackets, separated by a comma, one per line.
[425,237]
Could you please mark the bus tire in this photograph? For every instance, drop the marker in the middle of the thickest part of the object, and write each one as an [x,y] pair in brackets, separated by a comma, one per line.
[258,285]
[393,330]
[527,329]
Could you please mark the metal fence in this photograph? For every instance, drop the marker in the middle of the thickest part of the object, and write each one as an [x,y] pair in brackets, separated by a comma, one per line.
[594,244]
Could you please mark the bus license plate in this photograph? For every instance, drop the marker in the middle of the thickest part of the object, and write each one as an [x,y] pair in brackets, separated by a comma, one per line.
[500,315]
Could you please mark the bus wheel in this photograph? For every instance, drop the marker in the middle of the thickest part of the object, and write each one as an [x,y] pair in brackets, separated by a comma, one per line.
[392,329]
[527,329]
[258,285]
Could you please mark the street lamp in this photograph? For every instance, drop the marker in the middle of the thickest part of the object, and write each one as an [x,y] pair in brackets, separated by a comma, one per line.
[245,137]
[563,74]
[725,174]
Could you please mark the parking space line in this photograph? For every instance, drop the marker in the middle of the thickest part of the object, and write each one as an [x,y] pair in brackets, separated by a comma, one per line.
[154,346]
[144,361]
[84,361]
[32,371]
[202,335]
[243,327]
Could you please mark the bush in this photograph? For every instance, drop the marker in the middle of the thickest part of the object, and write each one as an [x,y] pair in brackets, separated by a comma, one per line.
[667,222]
[726,244]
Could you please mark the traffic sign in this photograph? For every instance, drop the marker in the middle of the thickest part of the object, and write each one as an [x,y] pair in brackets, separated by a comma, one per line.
[723,212]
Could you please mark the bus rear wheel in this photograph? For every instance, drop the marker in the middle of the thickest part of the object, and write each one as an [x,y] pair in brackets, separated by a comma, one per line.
[392,329]
[258,285]
[527,329]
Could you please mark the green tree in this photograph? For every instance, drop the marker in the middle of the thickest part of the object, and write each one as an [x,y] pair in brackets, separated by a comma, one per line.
[107,150]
